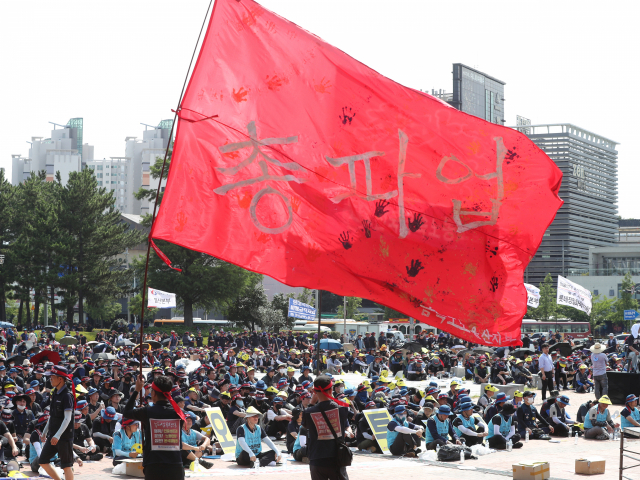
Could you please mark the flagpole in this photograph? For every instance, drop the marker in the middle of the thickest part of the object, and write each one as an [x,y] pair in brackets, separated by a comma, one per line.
[319,324]
[155,202]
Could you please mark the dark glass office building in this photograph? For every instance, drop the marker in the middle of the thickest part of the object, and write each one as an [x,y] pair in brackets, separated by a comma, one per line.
[589,164]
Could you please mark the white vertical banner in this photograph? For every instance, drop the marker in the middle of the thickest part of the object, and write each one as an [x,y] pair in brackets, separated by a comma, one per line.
[573,295]
[160,299]
[533,296]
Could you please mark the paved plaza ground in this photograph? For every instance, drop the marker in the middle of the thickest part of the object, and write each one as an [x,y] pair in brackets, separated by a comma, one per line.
[561,457]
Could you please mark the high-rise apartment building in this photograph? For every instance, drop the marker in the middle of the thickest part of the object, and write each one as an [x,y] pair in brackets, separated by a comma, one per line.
[63,152]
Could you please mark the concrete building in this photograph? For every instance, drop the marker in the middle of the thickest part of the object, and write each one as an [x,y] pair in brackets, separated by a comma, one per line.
[115,175]
[63,152]
[588,217]
[475,93]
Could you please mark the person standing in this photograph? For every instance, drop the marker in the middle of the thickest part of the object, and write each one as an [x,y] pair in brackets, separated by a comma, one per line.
[546,370]
[60,426]
[321,444]
[599,365]
[157,463]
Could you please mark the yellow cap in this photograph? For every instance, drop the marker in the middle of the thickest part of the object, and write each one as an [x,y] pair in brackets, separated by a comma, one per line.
[490,388]
[518,393]
[605,399]
[81,389]
[582,366]
[193,390]
[272,389]
[454,382]
[136,447]
[528,359]
[252,411]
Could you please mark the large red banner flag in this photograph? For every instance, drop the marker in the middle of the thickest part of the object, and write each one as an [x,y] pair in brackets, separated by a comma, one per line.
[294,160]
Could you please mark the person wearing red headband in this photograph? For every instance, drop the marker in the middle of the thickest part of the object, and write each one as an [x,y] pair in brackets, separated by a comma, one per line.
[157,463]
[321,445]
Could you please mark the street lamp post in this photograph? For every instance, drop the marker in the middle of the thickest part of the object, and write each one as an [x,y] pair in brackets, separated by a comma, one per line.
[1,259]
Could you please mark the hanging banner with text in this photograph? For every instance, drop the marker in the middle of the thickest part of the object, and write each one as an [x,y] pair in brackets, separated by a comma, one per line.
[573,295]
[223,434]
[160,299]
[301,310]
[378,419]
[533,296]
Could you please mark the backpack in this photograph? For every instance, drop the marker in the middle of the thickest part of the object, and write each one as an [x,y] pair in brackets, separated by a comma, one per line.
[451,453]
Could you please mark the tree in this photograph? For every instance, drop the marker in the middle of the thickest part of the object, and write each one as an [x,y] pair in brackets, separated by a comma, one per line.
[353,303]
[280,302]
[91,235]
[546,310]
[271,318]
[391,313]
[103,311]
[244,309]
[626,300]
[601,311]
[7,269]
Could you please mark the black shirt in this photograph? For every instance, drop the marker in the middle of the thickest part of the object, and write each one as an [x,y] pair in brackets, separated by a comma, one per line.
[322,451]
[61,401]
[81,434]
[160,411]
[293,427]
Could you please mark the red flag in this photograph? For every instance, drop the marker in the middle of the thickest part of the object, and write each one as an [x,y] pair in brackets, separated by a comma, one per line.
[294,160]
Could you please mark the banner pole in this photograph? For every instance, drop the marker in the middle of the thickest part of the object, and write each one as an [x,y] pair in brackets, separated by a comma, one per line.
[155,203]
[319,324]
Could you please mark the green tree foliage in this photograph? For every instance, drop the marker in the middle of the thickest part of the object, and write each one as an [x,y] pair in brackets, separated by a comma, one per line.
[61,240]
[244,308]
[104,311]
[626,300]
[603,310]
[353,304]
[546,310]
[271,318]
[391,313]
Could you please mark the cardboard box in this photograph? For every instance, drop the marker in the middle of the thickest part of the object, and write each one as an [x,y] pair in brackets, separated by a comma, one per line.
[531,471]
[590,465]
[134,467]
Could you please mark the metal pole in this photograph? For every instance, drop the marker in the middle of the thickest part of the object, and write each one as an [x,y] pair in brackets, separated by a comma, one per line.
[319,294]
[563,258]
[344,314]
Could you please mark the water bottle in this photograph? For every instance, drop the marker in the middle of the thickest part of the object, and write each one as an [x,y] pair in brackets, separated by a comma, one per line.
[526,437]
[437,449]
[461,456]
[575,439]
[509,445]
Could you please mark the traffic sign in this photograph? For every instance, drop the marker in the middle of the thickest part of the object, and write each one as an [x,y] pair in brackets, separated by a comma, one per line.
[630,314]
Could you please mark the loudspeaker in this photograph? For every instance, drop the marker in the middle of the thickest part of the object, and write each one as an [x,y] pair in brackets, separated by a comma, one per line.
[622,384]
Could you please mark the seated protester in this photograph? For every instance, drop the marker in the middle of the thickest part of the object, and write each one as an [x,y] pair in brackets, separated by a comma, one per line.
[236,412]
[502,428]
[305,376]
[416,371]
[37,441]
[103,429]
[9,427]
[81,434]
[34,406]
[546,405]
[583,384]
[598,424]
[435,366]
[500,374]
[249,443]
[468,427]
[403,438]
[517,399]
[124,441]
[584,409]
[193,402]
[259,402]
[630,415]
[365,438]
[529,419]
[293,428]
[300,445]
[360,363]
[439,429]
[194,444]
[22,415]
[427,410]
[277,418]
[233,376]
[521,374]
[562,424]
[481,373]
[485,400]
[495,407]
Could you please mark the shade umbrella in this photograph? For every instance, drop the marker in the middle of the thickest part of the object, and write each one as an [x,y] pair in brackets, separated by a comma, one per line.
[481,349]
[330,344]
[16,359]
[413,347]
[103,356]
[34,349]
[6,325]
[68,340]
[523,352]
[92,343]
[166,341]
[51,328]
[563,347]
[46,355]
[125,342]
[154,344]
[458,347]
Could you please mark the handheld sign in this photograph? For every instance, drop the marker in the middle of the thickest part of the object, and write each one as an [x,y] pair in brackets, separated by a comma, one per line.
[165,434]
[378,420]
[219,425]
